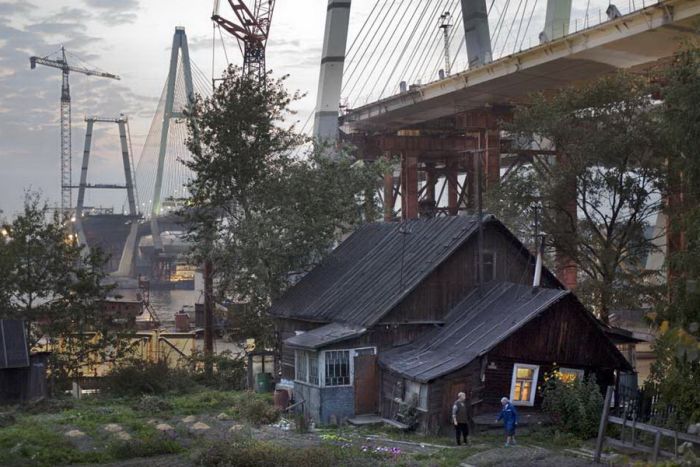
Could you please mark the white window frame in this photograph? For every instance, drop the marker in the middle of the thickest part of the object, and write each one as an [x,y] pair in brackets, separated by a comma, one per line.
[351,363]
[533,390]
[580,374]
[306,355]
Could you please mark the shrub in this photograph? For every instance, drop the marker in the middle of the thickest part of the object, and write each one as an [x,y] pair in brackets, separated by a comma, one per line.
[152,404]
[229,372]
[574,406]
[137,377]
[258,411]
[147,447]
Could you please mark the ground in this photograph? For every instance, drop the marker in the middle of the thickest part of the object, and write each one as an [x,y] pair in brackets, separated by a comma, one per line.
[198,428]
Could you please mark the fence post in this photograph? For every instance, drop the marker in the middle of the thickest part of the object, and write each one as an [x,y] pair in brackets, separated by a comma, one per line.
[657,442]
[603,425]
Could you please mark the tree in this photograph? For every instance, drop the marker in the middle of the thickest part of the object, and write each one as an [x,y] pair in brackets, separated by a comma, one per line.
[262,214]
[51,284]
[676,371]
[602,189]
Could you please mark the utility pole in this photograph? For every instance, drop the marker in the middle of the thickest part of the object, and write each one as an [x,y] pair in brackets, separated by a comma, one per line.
[480,214]
[445,26]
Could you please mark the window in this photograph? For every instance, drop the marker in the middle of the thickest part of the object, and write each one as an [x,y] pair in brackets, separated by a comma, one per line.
[313,368]
[569,375]
[337,368]
[301,365]
[306,364]
[489,258]
[524,384]
[418,391]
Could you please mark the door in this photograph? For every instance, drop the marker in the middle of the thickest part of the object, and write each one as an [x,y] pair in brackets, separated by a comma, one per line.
[449,398]
[366,384]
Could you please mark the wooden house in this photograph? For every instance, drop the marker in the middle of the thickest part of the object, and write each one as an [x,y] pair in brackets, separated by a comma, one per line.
[396,312]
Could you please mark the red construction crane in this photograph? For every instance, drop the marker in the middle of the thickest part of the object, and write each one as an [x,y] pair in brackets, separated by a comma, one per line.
[251,28]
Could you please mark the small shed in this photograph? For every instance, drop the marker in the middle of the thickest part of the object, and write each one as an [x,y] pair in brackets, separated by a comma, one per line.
[22,376]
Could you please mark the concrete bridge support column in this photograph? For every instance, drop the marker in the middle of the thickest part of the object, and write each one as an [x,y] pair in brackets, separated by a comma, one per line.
[330,80]
[476,32]
[557,18]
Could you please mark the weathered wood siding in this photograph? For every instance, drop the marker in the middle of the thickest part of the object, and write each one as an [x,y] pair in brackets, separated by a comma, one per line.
[456,277]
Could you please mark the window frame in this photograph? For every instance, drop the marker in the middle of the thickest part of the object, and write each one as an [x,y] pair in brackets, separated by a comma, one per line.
[533,389]
[422,394]
[305,355]
[351,369]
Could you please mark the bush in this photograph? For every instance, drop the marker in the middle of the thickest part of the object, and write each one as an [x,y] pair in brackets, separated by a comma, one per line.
[258,411]
[152,404]
[137,377]
[147,447]
[229,372]
[574,406]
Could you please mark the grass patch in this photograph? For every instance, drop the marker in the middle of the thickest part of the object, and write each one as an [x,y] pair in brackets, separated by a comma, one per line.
[148,446]
[252,453]
[31,443]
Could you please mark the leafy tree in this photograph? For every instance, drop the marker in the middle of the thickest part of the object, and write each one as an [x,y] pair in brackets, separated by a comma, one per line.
[51,284]
[602,189]
[676,371]
[263,214]
[574,406]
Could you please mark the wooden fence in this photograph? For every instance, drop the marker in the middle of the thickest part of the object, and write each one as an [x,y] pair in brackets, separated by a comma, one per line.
[630,431]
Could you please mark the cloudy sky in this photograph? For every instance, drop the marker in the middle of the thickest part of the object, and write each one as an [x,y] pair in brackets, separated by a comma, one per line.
[130,38]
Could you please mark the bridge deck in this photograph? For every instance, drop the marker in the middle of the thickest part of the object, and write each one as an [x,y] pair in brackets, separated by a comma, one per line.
[637,41]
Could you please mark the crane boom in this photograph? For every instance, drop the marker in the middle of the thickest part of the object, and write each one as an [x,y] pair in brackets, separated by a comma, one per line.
[251,28]
[61,65]
[66,149]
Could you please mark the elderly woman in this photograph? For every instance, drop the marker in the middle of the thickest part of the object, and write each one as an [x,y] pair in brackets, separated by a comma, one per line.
[510,420]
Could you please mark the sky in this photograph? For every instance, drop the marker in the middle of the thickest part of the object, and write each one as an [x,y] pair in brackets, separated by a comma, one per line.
[130,38]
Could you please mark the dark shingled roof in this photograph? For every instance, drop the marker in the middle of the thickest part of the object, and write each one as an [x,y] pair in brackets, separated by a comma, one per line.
[325,335]
[365,277]
[472,328]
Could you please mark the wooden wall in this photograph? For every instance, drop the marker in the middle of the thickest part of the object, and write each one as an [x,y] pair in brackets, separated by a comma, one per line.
[456,277]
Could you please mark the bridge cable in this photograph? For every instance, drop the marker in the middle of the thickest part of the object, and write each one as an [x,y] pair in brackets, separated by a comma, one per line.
[527,28]
[392,54]
[352,68]
[436,49]
[510,29]
[430,44]
[373,54]
[405,48]
[422,35]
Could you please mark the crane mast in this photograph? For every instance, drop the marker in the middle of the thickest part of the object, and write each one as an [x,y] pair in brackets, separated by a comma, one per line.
[66,149]
[251,27]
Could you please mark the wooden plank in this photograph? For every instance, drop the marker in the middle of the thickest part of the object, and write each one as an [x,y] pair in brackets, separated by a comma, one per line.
[640,448]
[657,444]
[603,424]
[395,424]
[653,429]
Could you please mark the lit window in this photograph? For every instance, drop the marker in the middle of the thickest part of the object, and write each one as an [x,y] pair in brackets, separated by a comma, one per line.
[337,368]
[522,388]
[569,375]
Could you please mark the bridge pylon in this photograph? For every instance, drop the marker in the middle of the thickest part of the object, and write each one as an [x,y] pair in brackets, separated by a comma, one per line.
[179,49]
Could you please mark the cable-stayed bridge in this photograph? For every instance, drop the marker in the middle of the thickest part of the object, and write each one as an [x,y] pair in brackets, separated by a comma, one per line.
[149,241]
[426,82]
